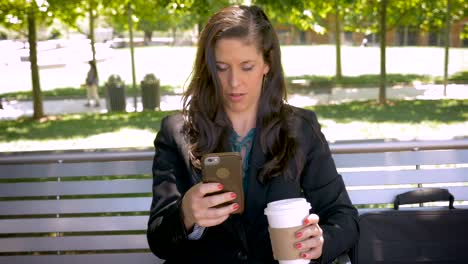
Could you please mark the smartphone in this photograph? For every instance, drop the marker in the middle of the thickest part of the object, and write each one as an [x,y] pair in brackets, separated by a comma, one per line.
[225,168]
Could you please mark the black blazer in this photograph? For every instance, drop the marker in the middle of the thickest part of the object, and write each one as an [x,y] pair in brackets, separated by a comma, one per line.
[244,238]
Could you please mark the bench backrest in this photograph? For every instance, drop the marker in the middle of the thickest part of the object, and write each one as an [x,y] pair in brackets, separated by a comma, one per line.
[75,208]
[92,207]
[375,173]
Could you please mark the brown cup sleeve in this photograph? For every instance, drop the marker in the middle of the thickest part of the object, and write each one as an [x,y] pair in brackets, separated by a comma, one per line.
[282,243]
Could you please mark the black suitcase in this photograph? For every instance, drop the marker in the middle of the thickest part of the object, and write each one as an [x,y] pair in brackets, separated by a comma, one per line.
[414,235]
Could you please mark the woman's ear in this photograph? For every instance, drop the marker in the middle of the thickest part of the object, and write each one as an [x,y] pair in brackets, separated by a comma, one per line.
[266,68]
[266,61]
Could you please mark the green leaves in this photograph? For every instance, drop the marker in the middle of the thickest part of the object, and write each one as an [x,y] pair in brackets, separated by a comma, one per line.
[427,15]
[13,15]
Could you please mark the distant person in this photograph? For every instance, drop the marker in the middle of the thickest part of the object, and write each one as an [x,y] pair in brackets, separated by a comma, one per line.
[236,102]
[92,83]
[364,42]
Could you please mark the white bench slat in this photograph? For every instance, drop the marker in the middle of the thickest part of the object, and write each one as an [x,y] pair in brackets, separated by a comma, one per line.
[72,206]
[363,178]
[75,188]
[73,224]
[117,258]
[52,170]
[380,196]
[403,158]
[74,243]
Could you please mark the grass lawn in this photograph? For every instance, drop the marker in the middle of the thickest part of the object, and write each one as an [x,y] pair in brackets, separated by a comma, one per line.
[417,119]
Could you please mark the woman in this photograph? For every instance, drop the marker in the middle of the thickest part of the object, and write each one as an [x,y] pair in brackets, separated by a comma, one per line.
[92,83]
[236,102]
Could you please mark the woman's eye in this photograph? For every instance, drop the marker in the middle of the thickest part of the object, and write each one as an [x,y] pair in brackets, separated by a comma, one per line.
[247,68]
[221,68]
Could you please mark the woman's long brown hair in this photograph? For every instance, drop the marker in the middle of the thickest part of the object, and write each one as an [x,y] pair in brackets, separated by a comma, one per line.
[206,123]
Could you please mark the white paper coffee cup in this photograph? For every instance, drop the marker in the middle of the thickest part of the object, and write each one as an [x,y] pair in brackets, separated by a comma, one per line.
[287,213]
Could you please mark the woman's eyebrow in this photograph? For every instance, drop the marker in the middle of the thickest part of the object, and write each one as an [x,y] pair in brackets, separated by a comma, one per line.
[242,62]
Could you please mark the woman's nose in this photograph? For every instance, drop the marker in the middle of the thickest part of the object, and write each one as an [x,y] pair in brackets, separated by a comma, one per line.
[234,78]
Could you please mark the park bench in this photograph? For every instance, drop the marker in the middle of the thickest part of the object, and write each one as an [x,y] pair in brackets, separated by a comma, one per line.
[92,206]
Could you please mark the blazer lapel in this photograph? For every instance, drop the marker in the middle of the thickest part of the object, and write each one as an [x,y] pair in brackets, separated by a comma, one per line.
[256,192]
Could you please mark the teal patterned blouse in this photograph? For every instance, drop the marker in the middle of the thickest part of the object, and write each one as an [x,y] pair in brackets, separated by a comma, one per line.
[243,146]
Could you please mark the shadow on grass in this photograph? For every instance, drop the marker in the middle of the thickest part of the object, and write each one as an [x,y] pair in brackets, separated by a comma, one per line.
[85,125]
[78,125]
[413,111]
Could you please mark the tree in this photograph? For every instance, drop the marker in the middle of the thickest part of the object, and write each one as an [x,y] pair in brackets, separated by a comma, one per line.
[118,11]
[201,10]
[422,14]
[312,15]
[447,42]
[160,20]
[383,42]
[69,11]
[371,16]
[439,16]
[176,14]
[32,40]
[92,6]
[149,16]
[21,14]
[335,9]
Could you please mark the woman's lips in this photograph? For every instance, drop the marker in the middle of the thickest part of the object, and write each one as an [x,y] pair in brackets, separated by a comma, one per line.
[236,97]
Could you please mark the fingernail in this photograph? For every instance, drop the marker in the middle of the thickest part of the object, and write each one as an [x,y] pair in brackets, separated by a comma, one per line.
[233,195]
[235,206]
[298,234]
[220,186]
[298,245]
[306,222]
[304,255]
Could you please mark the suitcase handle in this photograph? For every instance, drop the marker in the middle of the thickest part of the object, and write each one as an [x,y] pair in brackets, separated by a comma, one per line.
[423,196]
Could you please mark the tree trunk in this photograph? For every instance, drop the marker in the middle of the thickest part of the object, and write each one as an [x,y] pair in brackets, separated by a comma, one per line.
[132,55]
[383,31]
[91,34]
[405,36]
[447,44]
[174,30]
[36,85]
[338,42]
[148,37]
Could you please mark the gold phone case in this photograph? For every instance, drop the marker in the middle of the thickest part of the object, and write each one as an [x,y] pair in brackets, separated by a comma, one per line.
[225,168]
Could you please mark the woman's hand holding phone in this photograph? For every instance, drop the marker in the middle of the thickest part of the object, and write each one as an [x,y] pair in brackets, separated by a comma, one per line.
[200,206]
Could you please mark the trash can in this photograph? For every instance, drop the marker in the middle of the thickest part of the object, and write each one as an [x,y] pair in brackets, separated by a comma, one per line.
[150,92]
[115,93]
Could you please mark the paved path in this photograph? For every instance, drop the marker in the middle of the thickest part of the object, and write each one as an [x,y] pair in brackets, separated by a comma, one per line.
[16,109]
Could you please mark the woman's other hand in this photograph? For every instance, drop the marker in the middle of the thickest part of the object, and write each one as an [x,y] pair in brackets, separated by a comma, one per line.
[198,205]
[312,245]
